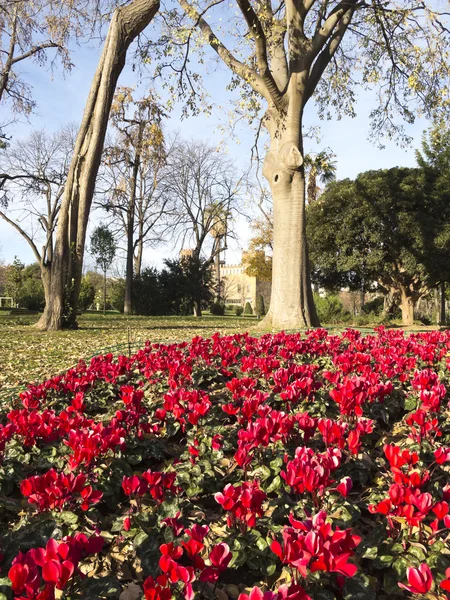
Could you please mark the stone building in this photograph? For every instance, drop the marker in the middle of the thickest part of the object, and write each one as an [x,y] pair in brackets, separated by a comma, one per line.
[239,288]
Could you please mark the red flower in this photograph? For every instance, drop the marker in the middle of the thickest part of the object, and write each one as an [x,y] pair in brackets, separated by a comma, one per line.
[420,580]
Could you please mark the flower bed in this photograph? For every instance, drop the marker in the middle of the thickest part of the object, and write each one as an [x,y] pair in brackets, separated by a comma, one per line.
[281,467]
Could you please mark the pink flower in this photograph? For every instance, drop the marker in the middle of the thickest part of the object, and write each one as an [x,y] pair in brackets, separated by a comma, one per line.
[420,580]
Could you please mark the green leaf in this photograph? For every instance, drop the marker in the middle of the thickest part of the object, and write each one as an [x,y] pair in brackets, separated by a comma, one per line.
[68,517]
[370,553]
[261,544]
[275,485]
[360,587]
[400,566]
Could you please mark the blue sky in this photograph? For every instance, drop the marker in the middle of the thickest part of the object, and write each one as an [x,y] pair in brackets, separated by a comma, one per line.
[60,99]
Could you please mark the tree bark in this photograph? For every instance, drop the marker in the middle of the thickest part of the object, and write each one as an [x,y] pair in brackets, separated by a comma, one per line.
[128,303]
[104,293]
[138,256]
[291,304]
[126,24]
[442,315]
[197,308]
[407,305]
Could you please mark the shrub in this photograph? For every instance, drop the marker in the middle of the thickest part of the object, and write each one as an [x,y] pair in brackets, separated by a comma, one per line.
[374,306]
[217,309]
[248,310]
[260,308]
[238,311]
[87,294]
[31,295]
[117,294]
[330,310]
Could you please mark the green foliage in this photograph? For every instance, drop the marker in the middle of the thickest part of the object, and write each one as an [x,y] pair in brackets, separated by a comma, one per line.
[374,306]
[217,308]
[238,311]
[248,310]
[186,282]
[330,310]
[117,294]
[103,247]
[147,295]
[390,226]
[260,308]
[14,279]
[87,294]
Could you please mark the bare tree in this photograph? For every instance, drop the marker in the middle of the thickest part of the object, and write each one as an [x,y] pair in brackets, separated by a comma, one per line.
[41,31]
[205,190]
[131,169]
[31,188]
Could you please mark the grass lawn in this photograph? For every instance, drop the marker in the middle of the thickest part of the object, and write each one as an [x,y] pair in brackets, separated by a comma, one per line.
[28,355]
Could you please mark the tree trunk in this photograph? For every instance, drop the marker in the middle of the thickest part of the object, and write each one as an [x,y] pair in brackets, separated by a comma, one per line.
[407,305]
[128,302]
[218,273]
[291,304]
[126,24]
[442,316]
[138,257]
[197,308]
[127,307]
[104,293]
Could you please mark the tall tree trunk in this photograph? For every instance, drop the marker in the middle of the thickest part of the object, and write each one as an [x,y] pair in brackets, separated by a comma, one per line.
[442,316]
[407,304]
[46,274]
[127,307]
[218,271]
[197,308]
[126,24]
[128,302]
[104,293]
[291,303]
[138,256]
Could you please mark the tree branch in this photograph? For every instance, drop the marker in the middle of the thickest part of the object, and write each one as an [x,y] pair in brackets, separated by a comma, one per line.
[34,50]
[239,68]
[259,37]
[23,234]
[324,58]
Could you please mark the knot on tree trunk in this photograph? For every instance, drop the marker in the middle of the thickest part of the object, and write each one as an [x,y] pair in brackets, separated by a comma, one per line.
[280,166]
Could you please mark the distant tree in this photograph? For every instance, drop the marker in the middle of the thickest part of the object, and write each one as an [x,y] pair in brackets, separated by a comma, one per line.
[41,31]
[390,226]
[33,173]
[434,159]
[14,278]
[103,248]
[147,295]
[87,294]
[318,167]
[130,177]
[188,285]
[258,258]
[205,190]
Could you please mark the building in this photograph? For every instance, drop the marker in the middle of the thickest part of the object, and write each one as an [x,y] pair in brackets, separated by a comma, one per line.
[239,288]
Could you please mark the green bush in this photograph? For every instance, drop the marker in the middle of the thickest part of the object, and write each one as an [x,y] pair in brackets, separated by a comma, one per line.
[248,310]
[330,310]
[217,309]
[87,294]
[117,294]
[260,308]
[31,294]
[238,311]
[374,306]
